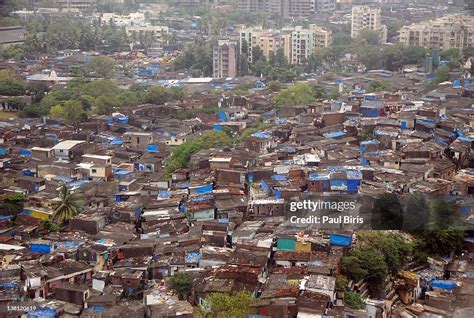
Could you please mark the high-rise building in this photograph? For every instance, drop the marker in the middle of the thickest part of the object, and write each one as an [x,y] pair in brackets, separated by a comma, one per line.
[297,43]
[297,8]
[224,59]
[324,5]
[451,31]
[267,40]
[367,18]
[301,42]
[287,8]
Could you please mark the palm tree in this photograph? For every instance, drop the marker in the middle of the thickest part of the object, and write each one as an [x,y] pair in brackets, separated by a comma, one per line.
[69,205]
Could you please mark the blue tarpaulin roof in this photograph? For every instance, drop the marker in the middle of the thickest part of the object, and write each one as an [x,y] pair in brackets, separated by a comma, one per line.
[62,178]
[334,134]
[314,176]
[280,177]
[217,127]
[121,171]
[152,148]
[354,175]
[163,194]
[42,312]
[25,152]
[204,189]
[192,257]
[260,134]
[338,239]
[116,141]
[77,183]
[444,284]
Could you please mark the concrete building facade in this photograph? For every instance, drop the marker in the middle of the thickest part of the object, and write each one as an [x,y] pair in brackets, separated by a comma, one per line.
[297,43]
[224,59]
[452,31]
[367,18]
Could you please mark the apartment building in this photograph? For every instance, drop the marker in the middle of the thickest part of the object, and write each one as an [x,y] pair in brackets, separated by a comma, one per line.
[271,7]
[298,43]
[324,5]
[158,33]
[224,63]
[367,18]
[297,8]
[267,40]
[451,31]
[287,8]
[81,5]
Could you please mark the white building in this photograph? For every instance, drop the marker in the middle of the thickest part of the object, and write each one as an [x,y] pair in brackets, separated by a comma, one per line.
[451,31]
[367,18]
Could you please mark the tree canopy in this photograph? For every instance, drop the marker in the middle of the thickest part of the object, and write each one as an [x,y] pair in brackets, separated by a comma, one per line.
[181,284]
[228,306]
[298,94]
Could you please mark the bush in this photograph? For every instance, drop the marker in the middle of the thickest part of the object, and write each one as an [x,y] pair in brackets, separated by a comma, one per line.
[354,300]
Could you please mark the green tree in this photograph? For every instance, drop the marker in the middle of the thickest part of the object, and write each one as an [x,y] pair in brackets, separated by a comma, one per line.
[176,93]
[353,300]
[453,56]
[367,264]
[130,98]
[370,56]
[441,75]
[318,90]
[182,154]
[417,212]
[9,21]
[312,63]
[49,226]
[342,282]
[68,205]
[298,94]
[377,86]
[197,57]
[101,66]
[181,284]
[440,242]
[57,111]
[14,52]
[157,95]
[370,37]
[12,205]
[98,88]
[105,104]
[74,113]
[274,86]
[443,215]
[387,213]
[37,91]
[11,87]
[238,305]
[393,246]
[257,54]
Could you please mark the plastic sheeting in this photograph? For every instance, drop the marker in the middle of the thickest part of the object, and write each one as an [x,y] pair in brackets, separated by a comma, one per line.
[152,148]
[265,186]
[40,248]
[217,127]
[42,312]
[444,284]
[204,189]
[338,239]
[262,135]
